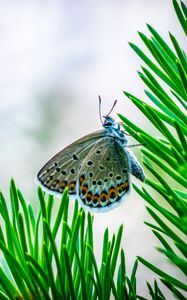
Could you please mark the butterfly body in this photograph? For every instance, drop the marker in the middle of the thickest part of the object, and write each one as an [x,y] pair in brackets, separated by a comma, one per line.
[95,169]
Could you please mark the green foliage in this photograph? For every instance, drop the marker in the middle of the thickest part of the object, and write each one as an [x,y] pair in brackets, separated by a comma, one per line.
[54,259]
[165,157]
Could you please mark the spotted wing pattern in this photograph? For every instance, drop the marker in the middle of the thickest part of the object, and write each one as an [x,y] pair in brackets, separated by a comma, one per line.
[62,170]
[104,175]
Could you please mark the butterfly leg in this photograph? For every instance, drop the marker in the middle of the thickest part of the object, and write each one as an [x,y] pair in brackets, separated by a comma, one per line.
[135,167]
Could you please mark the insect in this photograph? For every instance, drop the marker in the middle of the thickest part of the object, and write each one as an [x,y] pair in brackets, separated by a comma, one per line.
[95,168]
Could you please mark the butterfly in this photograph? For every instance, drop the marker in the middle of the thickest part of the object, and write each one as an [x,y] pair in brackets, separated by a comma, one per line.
[95,168]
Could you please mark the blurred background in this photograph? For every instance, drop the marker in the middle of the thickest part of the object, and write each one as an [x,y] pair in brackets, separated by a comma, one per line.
[56,57]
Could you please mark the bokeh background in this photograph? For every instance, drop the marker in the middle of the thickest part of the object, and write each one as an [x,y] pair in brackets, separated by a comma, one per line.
[56,57]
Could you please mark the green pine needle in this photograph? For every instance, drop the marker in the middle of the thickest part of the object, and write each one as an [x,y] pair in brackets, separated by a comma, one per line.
[43,268]
[166,155]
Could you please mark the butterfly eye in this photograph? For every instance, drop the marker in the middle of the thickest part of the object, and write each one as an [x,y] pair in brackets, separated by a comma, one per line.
[109,122]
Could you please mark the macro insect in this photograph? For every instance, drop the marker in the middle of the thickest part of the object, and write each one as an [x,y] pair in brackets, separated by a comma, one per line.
[95,168]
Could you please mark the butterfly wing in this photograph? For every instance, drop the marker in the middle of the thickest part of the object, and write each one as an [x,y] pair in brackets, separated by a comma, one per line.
[62,170]
[104,175]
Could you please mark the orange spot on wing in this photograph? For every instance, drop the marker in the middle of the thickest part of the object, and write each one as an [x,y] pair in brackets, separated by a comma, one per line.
[71,185]
[89,197]
[104,197]
[112,192]
[95,199]
[84,189]
[123,186]
[126,184]
[63,184]
[81,179]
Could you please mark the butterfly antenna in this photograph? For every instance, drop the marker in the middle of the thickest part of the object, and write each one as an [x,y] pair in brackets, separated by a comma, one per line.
[100,109]
[112,108]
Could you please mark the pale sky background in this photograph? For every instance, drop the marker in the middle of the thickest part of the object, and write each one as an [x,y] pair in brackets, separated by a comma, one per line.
[56,57]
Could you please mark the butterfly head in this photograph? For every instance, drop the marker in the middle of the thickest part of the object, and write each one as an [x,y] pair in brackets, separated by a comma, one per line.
[108,122]
[114,129]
